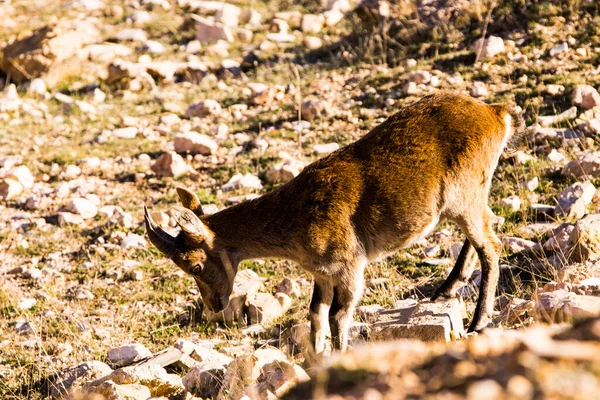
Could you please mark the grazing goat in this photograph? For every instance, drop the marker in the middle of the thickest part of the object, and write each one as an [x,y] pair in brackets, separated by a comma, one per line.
[431,161]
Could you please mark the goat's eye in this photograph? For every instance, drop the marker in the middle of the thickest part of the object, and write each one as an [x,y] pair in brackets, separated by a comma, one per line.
[197,269]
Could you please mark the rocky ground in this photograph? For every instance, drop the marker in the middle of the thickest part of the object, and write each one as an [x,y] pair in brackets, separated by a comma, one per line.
[107,106]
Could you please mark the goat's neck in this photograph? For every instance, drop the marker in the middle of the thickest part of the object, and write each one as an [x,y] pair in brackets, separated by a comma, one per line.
[253,229]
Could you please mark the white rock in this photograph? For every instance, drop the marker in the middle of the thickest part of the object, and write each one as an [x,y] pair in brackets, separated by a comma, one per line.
[586,165]
[420,77]
[37,87]
[132,241]
[559,49]
[195,143]
[228,15]
[112,391]
[126,133]
[479,89]
[170,164]
[585,96]
[10,188]
[285,171]
[26,303]
[513,202]
[67,218]
[312,42]
[531,184]
[239,181]
[128,354]
[133,34]
[326,148]
[312,23]
[152,376]
[263,308]
[23,175]
[84,207]
[488,48]
[573,201]
[547,120]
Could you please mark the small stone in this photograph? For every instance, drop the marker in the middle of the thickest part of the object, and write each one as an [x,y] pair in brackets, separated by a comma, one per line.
[170,164]
[133,241]
[279,376]
[37,87]
[420,77]
[531,184]
[587,165]
[133,35]
[486,389]
[312,109]
[204,380]
[284,300]
[285,171]
[488,48]
[561,306]
[517,245]
[23,175]
[479,89]
[239,181]
[84,294]
[263,308]
[586,239]
[195,143]
[67,219]
[512,202]
[548,120]
[128,354]
[559,49]
[326,148]
[75,377]
[585,96]
[125,133]
[573,201]
[555,156]
[203,109]
[312,23]
[10,188]
[84,207]
[208,31]
[111,390]
[289,287]
[152,376]
[26,303]
[312,42]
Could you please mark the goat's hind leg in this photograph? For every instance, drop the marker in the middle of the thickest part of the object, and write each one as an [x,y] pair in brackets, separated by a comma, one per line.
[478,229]
[460,274]
[319,312]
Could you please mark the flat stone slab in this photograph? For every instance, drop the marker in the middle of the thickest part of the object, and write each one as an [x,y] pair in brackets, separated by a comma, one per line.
[427,321]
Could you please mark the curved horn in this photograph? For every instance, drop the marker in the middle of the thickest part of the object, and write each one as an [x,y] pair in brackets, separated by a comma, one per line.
[159,238]
[190,224]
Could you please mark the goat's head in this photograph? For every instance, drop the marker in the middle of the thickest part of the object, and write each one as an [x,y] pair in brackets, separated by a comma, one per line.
[194,251]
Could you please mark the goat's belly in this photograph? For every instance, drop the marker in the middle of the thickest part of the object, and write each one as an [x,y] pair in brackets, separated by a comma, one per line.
[388,244]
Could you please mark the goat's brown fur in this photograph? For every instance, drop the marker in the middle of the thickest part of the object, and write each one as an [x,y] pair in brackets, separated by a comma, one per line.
[430,161]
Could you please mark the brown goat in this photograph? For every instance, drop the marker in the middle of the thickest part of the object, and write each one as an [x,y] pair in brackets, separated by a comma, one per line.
[433,160]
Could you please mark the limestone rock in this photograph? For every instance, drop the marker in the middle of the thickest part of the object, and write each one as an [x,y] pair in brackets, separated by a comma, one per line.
[208,31]
[586,239]
[263,308]
[488,48]
[45,48]
[587,165]
[439,321]
[74,377]
[561,306]
[585,96]
[573,201]
[84,207]
[285,171]
[279,376]
[10,188]
[152,376]
[67,218]
[239,181]
[203,109]
[195,143]
[170,164]
[112,391]
[128,354]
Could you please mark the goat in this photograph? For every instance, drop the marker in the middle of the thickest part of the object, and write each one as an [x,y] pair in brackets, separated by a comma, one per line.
[433,160]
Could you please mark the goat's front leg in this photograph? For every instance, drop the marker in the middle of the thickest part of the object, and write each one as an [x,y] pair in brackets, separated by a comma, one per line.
[346,294]
[319,310]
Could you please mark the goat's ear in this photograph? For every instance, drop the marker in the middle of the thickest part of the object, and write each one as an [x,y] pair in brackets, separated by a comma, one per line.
[190,201]
[191,225]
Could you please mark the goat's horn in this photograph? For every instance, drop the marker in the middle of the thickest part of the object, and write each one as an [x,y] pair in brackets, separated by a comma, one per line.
[159,238]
